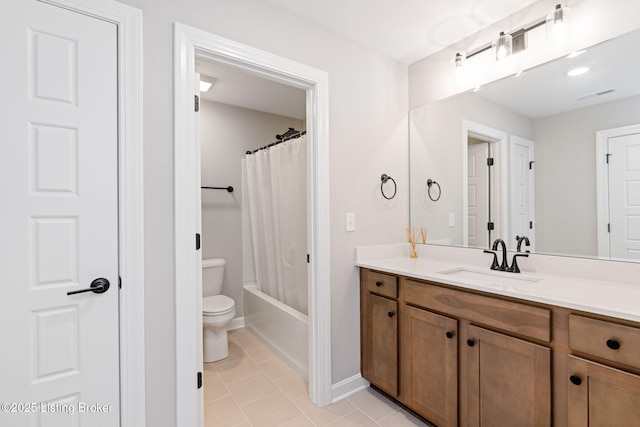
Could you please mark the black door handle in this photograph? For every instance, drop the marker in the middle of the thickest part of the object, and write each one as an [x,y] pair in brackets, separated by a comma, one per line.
[98,286]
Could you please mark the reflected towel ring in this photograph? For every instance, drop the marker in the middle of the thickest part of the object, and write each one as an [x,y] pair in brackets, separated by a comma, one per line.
[384,178]
[430,182]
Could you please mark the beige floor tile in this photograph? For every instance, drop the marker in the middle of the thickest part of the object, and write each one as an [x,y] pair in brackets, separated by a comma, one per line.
[245,340]
[252,388]
[214,388]
[276,368]
[259,352]
[237,369]
[271,411]
[298,422]
[401,418]
[373,403]
[356,418]
[328,414]
[294,386]
[222,413]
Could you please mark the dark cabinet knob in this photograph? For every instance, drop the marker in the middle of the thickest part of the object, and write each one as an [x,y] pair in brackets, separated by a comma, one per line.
[449,334]
[378,284]
[613,344]
[391,313]
[471,342]
[575,379]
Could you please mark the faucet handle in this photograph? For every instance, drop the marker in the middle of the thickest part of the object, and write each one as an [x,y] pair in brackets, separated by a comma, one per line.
[494,265]
[514,263]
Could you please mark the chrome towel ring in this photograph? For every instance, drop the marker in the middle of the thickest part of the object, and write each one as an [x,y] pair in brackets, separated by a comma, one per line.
[384,178]
[430,183]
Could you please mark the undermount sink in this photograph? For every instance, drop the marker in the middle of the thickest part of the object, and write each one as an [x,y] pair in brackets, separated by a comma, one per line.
[495,279]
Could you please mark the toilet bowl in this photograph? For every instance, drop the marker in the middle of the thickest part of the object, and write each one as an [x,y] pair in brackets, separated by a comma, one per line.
[217,311]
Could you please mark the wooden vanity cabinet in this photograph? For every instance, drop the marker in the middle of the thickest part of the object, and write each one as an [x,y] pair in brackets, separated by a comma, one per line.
[509,380]
[600,394]
[379,330]
[429,364]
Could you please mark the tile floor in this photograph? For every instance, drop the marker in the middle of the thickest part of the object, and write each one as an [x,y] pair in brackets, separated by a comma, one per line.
[253,387]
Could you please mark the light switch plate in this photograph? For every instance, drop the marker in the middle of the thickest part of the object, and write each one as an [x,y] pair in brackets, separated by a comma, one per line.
[350,221]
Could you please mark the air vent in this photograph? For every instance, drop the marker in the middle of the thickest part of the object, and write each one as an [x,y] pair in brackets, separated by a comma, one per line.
[591,95]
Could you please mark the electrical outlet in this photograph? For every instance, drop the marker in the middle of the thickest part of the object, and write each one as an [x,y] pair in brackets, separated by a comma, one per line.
[350,221]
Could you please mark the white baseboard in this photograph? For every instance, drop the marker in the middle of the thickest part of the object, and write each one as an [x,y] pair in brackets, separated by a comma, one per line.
[347,387]
[235,323]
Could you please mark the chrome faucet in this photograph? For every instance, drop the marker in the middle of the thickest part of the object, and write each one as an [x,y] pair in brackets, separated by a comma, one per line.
[504,266]
[520,239]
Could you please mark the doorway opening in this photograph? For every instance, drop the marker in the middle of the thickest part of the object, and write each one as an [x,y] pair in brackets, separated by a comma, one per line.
[484,184]
[191,44]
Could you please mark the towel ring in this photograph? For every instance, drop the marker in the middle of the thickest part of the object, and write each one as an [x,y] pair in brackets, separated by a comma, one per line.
[384,178]
[430,183]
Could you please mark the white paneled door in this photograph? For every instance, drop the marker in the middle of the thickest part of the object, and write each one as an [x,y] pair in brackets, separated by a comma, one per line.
[478,198]
[59,219]
[522,209]
[624,197]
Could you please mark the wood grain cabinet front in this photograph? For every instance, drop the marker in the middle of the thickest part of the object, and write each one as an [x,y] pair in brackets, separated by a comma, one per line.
[602,396]
[429,365]
[379,341]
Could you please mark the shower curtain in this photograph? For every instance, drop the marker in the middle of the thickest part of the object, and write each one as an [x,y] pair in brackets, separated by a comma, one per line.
[277,195]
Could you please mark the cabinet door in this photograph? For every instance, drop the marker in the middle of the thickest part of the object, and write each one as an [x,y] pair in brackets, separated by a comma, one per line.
[429,365]
[602,396]
[509,381]
[380,342]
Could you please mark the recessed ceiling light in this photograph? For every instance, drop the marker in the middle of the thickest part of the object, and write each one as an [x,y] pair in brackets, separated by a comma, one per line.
[576,53]
[205,86]
[577,71]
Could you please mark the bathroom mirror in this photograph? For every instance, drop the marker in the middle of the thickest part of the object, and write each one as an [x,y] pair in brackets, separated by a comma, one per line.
[548,136]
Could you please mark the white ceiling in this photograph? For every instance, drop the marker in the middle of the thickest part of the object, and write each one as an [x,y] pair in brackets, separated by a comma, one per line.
[545,90]
[405,30]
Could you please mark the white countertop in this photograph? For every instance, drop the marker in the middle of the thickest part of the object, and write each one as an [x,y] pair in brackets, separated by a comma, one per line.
[619,300]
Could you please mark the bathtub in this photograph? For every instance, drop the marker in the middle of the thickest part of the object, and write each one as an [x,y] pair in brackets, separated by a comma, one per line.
[283,329]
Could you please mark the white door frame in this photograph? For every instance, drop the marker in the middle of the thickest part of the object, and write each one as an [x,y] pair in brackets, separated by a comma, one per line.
[189,44]
[602,183]
[128,21]
[499,141]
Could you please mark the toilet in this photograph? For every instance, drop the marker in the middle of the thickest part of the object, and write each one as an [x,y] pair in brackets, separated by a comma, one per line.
[217,310]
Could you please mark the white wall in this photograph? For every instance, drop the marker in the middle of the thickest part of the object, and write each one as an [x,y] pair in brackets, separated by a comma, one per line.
[436,153]
[565,174]
[227,132]
[368,137]
[593,21]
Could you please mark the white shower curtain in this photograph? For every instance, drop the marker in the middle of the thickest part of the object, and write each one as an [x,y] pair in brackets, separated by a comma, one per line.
[277,194]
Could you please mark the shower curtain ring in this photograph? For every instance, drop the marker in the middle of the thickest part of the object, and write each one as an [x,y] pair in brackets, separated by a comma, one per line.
[384,178]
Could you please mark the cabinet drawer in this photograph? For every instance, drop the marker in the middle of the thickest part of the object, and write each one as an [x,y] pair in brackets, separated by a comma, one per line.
[605,339]
[523,319]
[380,283]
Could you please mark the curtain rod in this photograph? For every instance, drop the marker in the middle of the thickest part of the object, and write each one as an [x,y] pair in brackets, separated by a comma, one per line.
[282,138]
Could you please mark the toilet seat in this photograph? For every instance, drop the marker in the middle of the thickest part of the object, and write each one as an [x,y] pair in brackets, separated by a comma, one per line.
[217,305]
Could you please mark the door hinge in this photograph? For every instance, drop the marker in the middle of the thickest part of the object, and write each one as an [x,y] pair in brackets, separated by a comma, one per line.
[608,154]
[531,164]
[531,225]
[490,226]
[119,282]
[199,380]
[489,161]
[197,241]
[609,228]
[308,259]
[197,103]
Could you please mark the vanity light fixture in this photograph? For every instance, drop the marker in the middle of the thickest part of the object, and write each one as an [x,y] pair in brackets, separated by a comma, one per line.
[505,45]
[558,24]
[502,47]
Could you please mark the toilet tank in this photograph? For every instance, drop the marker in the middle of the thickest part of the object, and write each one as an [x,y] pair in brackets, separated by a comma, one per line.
[212,276]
